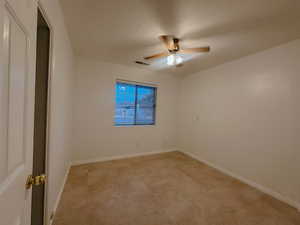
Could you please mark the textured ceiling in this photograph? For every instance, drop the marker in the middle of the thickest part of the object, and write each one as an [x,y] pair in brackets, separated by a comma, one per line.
[122,31]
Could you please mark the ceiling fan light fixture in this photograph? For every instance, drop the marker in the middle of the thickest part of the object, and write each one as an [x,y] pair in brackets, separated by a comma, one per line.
[174,59]
[170,57]
[179,60]
[171,60]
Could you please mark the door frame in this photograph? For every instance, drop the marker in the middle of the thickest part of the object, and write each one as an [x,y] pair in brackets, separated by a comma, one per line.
[42,9]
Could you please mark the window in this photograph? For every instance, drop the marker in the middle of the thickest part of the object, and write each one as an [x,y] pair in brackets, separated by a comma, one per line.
[135,104]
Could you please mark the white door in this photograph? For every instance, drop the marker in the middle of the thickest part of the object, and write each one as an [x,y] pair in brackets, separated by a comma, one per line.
[15,155]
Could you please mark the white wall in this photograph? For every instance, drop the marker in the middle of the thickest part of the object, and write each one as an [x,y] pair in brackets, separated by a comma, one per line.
[60,113]
[95,135]
[243,116]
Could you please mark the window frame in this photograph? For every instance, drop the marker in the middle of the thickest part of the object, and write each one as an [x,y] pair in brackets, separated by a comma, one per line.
[137,85]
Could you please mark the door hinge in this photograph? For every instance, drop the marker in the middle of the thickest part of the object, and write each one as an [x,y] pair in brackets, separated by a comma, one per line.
[37,180]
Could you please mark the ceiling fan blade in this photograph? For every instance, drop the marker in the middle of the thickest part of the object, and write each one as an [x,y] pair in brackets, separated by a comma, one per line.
[142,63]
[179,65]
[195,50]
[159,55]
[168,40]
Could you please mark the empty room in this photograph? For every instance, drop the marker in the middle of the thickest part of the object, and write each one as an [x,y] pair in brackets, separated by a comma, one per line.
[150,112]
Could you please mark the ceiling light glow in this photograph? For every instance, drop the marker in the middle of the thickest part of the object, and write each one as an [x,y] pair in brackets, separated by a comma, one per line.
[178,59]
[174,59]
[171,60]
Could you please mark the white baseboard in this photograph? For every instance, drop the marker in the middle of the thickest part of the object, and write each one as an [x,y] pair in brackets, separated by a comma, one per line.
[60,192]
[260,187]
[103,159]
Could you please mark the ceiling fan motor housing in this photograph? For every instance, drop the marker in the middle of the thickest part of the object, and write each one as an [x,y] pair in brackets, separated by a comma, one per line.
[175,46]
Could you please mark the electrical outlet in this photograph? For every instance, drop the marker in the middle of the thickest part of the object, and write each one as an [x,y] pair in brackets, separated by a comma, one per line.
[137,144]
[166,143]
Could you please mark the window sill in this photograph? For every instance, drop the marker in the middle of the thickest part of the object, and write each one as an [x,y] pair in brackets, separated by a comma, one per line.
[137,125]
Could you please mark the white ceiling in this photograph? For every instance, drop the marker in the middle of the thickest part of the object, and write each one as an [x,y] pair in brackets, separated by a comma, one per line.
[122,31]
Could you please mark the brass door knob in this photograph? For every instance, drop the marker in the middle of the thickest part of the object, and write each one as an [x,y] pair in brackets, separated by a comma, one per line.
[29,182]
[37,180]
[41,179]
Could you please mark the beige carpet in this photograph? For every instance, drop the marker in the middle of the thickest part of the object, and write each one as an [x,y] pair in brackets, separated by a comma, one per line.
[164,189]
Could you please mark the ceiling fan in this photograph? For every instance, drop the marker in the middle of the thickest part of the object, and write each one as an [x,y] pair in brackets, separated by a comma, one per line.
[172,44]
